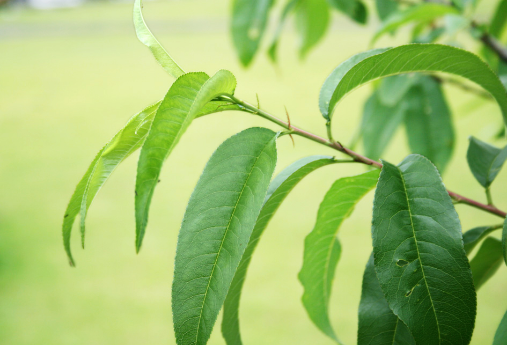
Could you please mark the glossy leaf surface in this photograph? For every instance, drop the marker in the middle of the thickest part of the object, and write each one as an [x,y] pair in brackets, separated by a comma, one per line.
[322,249]
[184,100]
[485,161]
[278,190]
[377,323]
[424,12]
[146,37]
[419,257]
[216,228]
[487,261]
[312,19]
[249,19]
[126,141]
[404,59]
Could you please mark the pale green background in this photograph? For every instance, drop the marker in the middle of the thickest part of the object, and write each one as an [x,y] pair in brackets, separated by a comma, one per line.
[70,78]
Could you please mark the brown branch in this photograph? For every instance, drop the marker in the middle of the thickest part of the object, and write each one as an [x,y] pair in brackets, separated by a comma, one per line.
[354,155]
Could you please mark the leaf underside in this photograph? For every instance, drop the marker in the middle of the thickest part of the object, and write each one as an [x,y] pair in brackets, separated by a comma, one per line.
[419,257]
[217,225]
[485,161]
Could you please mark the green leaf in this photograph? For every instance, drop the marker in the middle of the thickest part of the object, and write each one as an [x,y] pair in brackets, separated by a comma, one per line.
[278,190]
[249,19]
[424,12]
[501,332]
[428,122]
[487,260]
[184,100]
[355,9]
[473,236]
[322,249]
[499,20]
[218,222]
[272,51]
[146,37]
[392,89]
[504,240]
[312,19]
[377,323]
[485,161]
[360,69]
[379,124]
[419,257]
[126,141]
[385,8]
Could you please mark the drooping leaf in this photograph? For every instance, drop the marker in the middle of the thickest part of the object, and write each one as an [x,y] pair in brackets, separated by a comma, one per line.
[289,7]
[423,12]
[126,141]
[501,332]
[377,323]
[485,161]
[473,236]
[385,8]
[499,20]
[419,257]
[392,89]
[428,122]
[278,190]
[146,37]
[249,19]
[404,59]
[217,225]
[184,100]
[355,9]
[379,124]
[322,249]
[312,19]
[487,261]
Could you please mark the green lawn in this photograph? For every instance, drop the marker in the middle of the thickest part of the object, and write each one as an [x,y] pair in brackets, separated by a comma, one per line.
[69,79]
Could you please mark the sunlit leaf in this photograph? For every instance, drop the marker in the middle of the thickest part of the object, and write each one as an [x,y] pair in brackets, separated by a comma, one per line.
[288,8]
[126,141]
[248,23]
[146,37]
[216,228]
[312,19]
[485,161]
[428,122]
[182,103]
[377,323]
[322,249]
[487,261]
[423,12]
[278,190]
[419,257]
[499,20]
[404,59]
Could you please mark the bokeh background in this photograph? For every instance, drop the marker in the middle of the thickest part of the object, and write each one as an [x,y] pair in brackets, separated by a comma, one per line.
[71,77]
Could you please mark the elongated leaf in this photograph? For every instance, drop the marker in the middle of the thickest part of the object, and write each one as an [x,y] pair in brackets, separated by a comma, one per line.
[288,8]
[377,323]
[218,222]
[424,12]
[501,332]
[146,37]
[485,161]
[126,141]
[499,20]
[312,19]
[504,240]
[487,261]
[473,236]
[322,249]
[379,124]
[355,9]
[278,190]
[404,59]
[392,89]
[248,24]
[386,8]
[182,103]
[428,122]
[419,257]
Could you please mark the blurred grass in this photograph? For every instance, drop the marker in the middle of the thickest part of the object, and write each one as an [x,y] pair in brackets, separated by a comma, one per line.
[70,78]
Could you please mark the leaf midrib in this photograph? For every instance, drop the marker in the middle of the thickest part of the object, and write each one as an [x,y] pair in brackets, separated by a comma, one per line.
[223,239]
[418,254]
